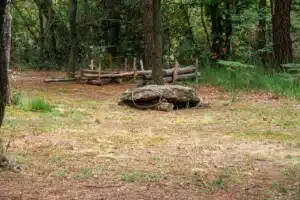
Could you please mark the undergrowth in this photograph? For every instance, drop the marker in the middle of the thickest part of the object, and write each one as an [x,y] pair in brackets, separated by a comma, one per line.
[252,79]
[36,104]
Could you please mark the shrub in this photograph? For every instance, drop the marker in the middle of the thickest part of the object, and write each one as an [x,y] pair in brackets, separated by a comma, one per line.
[39,104]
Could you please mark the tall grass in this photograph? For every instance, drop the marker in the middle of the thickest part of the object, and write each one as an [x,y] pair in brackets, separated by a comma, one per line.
[252,79]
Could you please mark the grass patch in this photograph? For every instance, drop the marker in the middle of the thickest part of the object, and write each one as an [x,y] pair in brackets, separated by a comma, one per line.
[137,176]
[36,104]
[265,135]
[252,79]
[39,105]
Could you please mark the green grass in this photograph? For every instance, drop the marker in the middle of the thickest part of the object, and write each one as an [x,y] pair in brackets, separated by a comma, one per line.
[36,104]
[39,105]
[252,79]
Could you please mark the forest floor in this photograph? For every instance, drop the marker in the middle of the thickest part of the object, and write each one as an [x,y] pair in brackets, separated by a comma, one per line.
[88,147]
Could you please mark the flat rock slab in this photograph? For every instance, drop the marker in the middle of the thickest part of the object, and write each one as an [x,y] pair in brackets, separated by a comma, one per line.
[152,95]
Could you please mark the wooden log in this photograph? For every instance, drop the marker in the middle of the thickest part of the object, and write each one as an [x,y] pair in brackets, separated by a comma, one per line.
[56,80]
[196,67]
[142,64]
[178,77]
[99,71]
[125,64]
[95,76]
[99,82]
[169,72]
[181,77]
[88,71]
[134,69]
[92,65]
[175,72]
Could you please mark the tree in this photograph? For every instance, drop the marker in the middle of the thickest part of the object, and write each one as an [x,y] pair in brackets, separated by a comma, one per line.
[157,73]
[4,5]
[281,25]
[228,28]
[73,53]
[7,36]
[148,29]
[261,34]
[153,39]
[216,30]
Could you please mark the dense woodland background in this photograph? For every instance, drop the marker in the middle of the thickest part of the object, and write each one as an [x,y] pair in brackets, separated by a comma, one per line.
[46,32]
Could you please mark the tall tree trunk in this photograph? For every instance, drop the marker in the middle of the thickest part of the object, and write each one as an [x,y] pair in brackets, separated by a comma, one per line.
[215,30]
[148,33]
[7,36]
[261,35]
[228,29]
[42,32]
[157,73]
[235,10]
[3,59]
[281,25]
[73,53]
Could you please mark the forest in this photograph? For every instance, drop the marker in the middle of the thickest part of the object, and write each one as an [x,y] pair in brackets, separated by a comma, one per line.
[149,99]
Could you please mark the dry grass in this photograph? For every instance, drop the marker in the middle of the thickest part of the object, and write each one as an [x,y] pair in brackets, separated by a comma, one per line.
[88,147]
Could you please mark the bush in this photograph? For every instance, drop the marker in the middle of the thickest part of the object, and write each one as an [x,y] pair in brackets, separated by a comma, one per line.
[39,104]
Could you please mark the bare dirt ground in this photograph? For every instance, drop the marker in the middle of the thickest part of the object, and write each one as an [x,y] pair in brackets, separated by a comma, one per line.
[88,147]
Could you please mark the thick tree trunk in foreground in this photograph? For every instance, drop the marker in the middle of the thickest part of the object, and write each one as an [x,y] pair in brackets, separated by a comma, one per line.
[281,22]
[261,35]
[7,38]
[73,53]
[157,73]
[3,60]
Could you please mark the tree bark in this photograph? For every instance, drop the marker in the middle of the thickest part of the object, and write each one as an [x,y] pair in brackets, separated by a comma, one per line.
[215,30]
[157,73]
[73,53]
[228,29]
[7,38]
[261,35]
[281,24]
[3,59]
[148,33]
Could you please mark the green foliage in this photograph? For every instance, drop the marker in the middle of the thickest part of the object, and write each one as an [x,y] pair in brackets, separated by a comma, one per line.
[252,79]
[232,64]
[39,105]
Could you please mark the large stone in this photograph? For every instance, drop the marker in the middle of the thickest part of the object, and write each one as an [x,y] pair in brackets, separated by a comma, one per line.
[150,95]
